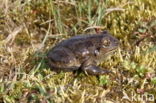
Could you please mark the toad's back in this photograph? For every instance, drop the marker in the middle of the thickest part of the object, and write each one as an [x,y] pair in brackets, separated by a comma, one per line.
[81,40]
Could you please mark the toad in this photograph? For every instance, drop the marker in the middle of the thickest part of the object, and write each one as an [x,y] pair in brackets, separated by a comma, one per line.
[83,52]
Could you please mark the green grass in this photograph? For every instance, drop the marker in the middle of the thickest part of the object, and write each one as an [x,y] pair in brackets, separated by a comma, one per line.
[30,28]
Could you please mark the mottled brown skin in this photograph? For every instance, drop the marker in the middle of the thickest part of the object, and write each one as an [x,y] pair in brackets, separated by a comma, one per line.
[82,52]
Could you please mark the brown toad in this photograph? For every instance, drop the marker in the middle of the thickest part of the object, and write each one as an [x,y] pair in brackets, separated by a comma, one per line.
[82,52]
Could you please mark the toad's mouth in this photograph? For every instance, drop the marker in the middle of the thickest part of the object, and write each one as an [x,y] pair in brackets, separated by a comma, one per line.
[111,50]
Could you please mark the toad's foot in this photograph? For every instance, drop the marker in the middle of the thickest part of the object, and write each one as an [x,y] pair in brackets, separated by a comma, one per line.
[94,70]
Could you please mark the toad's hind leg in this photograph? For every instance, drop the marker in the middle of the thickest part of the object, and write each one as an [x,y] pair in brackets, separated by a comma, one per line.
[62,59]
[94,70]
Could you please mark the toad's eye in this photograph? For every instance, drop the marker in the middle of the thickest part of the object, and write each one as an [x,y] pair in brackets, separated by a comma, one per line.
[106,42]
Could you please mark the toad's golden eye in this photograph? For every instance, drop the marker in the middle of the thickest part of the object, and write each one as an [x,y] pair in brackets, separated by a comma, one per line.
[106,42]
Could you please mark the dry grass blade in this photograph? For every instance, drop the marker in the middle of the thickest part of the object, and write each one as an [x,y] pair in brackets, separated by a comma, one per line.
[94,27]
[65,2]
[110,10]
[11,37]
[4,4]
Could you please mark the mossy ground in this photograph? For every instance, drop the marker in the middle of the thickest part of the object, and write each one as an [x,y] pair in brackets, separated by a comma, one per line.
[29,28]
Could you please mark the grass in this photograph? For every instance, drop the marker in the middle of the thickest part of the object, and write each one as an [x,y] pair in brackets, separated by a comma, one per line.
[29,28]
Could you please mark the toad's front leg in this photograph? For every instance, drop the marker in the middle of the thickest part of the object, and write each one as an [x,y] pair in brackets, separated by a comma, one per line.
[90,68]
